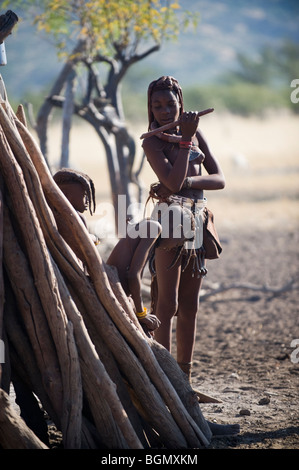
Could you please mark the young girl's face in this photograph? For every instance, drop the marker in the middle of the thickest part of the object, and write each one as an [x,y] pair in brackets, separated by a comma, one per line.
[165,106]
[77,196]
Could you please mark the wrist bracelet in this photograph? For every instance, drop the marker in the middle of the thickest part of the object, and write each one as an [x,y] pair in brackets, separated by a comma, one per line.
[185,144]
[142,314]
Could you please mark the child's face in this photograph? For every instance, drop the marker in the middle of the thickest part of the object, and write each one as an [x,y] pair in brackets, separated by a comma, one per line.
[165,106]
[76,194]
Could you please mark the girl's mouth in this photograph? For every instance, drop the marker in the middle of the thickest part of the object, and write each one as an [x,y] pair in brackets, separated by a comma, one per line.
[166,121]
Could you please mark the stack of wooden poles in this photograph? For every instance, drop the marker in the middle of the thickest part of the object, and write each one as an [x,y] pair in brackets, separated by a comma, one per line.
[73,337]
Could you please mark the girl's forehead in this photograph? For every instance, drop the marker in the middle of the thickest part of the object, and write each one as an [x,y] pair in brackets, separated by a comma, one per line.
[73,186]
[163,95]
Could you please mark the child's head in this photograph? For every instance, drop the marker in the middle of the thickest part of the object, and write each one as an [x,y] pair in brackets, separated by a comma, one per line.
[78,188]
[165,90]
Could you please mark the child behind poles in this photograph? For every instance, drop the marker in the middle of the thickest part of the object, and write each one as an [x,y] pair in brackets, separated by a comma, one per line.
[79,190]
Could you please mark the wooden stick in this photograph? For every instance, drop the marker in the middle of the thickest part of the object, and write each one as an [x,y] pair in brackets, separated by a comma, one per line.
[172,124]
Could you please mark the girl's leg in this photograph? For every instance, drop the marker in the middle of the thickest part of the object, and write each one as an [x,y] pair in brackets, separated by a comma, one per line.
[186,321]
[167,301]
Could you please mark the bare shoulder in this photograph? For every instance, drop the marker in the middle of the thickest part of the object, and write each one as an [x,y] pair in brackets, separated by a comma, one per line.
[152,143]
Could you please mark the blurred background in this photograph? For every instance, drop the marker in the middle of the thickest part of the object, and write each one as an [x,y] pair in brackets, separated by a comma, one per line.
[241,59]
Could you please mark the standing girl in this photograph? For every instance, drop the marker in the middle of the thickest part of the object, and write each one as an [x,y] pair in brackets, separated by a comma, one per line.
[177,157]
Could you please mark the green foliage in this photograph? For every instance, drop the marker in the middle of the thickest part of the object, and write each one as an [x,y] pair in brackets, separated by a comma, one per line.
[239,98]
[272,66]
[257,85]
[121,25]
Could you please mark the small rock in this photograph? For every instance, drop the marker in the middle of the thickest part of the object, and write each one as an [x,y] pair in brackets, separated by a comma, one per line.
[234,375]
[264,401]
[245,412]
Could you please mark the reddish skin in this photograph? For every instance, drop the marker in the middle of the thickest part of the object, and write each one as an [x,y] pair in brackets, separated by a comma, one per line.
[76,194]
[179,291]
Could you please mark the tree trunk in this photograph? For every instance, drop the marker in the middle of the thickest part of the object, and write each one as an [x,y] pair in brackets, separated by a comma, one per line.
[44,114]
[68,109]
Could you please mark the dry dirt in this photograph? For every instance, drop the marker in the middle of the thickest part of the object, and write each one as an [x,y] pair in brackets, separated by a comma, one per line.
[243,352]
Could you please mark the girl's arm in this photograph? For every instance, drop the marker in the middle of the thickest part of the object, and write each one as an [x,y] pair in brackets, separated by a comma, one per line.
[215,177]
[171,176]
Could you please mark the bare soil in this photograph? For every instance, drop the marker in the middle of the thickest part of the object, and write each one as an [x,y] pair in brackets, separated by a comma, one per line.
[243,353]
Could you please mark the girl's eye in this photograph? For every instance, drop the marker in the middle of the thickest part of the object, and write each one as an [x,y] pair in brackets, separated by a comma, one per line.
[158,106]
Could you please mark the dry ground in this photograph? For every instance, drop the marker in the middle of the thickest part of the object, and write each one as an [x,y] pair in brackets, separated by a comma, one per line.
[243,353]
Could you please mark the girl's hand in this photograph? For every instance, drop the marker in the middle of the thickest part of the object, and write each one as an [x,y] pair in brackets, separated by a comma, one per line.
[150,321]
[189,123]
[163,192]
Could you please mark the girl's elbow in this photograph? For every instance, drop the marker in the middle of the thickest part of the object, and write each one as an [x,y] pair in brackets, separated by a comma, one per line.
[222,183]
